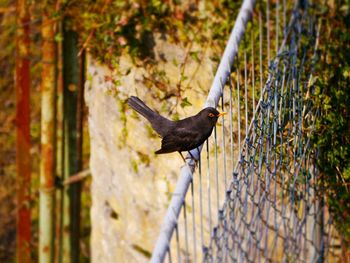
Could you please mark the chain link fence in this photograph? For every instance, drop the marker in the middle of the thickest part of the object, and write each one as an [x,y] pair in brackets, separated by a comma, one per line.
[257,195]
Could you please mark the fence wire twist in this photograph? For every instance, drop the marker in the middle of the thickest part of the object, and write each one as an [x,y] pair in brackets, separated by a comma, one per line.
[258,196]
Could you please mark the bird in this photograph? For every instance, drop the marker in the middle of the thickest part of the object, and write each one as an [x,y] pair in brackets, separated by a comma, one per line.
[182,135]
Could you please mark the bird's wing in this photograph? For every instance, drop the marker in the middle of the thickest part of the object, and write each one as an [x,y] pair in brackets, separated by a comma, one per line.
[180,139]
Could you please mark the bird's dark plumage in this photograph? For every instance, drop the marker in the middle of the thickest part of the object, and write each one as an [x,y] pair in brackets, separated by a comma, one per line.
[182,135]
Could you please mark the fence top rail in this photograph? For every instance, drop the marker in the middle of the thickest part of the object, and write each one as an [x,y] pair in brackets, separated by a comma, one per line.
[220,79]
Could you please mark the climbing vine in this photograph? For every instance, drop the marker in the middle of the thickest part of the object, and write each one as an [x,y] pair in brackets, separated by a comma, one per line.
[111,28]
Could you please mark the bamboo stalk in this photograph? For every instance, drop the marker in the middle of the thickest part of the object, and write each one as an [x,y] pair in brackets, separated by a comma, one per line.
[47,171]
[80,110]
[23,133]
[59,151]
[72,194]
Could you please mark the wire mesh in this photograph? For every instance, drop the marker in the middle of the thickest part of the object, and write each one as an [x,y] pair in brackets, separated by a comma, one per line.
[256,195]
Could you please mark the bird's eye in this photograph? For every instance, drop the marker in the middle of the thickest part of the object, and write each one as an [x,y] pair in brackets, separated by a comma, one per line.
[211,115]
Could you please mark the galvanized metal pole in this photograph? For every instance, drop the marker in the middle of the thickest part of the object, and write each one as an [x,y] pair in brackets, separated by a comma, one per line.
[215,93]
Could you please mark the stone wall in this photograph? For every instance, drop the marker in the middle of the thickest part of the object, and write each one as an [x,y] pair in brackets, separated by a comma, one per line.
[132,186]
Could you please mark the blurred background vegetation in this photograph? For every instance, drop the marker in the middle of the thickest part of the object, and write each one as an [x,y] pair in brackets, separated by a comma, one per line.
[109,29]
[332,99]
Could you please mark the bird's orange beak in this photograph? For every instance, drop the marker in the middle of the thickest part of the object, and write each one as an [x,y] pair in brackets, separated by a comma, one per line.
[221,114]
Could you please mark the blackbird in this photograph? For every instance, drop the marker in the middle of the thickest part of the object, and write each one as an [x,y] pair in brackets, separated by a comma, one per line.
[182,135]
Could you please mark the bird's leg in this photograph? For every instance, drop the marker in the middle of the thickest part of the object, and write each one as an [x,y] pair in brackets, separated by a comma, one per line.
[194,159]
[182,156]
[192,156]
[196,162]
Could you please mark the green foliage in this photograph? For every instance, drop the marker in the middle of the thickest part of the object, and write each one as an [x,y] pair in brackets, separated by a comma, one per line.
[123,118]
[134,165]
[110,28]
[185,103]
[332,98]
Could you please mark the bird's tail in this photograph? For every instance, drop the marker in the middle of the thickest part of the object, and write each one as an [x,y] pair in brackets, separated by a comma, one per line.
[141,107]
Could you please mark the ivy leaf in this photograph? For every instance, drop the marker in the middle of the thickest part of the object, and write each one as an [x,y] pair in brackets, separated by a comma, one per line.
[175,63]
[183,77]
[346,73]
[194,56]
[185,103]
